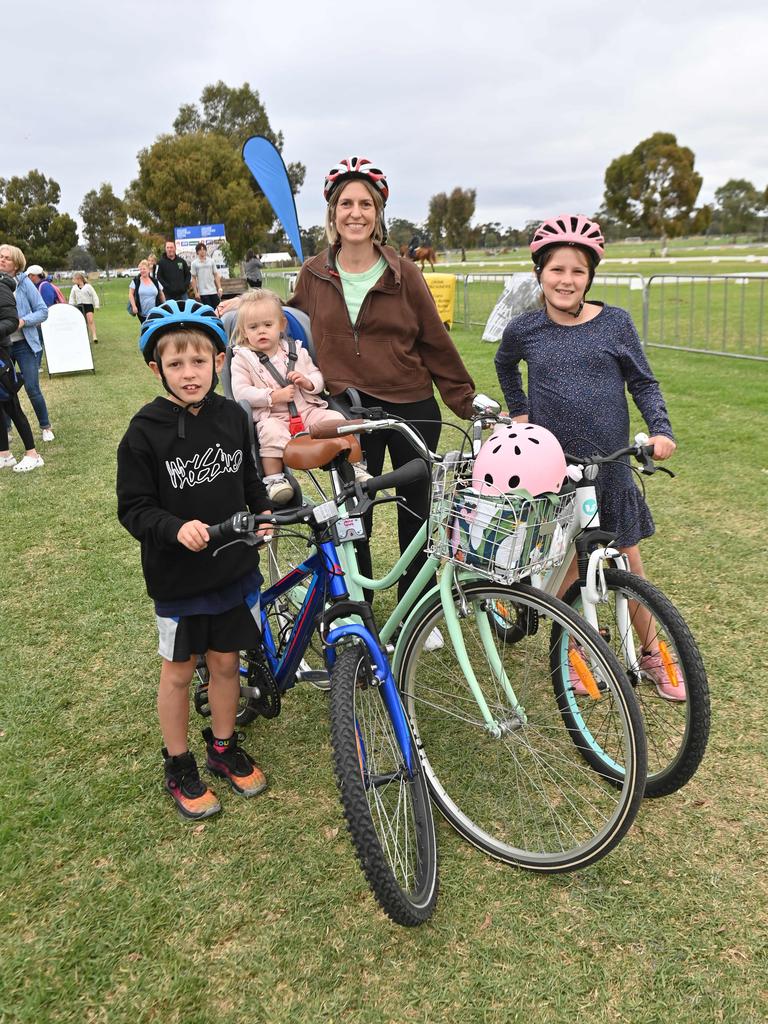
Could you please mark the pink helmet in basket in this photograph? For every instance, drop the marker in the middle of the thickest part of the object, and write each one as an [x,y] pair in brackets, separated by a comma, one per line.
[519,455]
[569,229]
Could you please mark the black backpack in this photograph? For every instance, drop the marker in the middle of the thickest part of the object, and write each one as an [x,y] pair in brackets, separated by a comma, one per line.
[11,380]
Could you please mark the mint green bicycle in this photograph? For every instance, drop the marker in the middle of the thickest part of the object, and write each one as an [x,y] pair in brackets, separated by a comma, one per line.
[476,661]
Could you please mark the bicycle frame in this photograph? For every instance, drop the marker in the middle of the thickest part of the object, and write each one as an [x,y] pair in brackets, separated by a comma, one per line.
[325,576]
[408,606]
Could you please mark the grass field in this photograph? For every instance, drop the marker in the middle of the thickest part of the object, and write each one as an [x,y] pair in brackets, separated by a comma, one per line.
[113,911]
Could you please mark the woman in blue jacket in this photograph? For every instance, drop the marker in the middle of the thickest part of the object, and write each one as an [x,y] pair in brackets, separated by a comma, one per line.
[26,347]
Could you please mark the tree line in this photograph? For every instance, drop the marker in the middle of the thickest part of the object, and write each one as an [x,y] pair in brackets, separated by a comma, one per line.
[194,174]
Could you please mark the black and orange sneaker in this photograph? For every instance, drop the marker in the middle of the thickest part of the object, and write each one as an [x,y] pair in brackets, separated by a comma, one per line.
[234,765]
[192,797]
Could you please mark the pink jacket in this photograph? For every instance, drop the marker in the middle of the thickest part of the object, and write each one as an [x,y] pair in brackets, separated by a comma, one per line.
[252,381]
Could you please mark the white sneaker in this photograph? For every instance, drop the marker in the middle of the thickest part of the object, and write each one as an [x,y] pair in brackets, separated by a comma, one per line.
[434,641]
[28,463]
[48,434]
[279,491]
[6,461]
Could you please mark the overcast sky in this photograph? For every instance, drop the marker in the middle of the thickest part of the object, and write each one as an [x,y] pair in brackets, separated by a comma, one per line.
[528,104]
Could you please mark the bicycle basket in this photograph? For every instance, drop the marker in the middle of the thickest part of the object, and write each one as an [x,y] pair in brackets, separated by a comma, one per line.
[503,536]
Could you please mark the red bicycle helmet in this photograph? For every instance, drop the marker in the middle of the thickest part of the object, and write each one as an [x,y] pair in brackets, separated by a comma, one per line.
[352,167]
[569,229]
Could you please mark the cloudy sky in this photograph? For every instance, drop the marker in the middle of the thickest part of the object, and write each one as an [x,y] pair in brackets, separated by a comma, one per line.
[528,104]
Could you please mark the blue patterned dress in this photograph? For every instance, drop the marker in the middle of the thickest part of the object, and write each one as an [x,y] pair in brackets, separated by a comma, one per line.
[576,388]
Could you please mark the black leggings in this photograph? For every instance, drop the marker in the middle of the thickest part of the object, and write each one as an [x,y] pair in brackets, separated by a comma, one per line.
[12,408]
[416,510]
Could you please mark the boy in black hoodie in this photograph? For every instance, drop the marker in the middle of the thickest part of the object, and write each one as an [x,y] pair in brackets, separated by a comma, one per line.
[184,463]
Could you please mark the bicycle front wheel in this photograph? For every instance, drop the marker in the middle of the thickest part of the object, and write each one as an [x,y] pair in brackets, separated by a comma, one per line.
[387,809]
[676,732]
[501,764]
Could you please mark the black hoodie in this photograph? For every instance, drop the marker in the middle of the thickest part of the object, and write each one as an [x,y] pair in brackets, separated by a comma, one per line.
[164,480]
[9,317]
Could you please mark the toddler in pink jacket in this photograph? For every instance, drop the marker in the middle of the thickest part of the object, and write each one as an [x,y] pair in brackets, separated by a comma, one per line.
[260,343]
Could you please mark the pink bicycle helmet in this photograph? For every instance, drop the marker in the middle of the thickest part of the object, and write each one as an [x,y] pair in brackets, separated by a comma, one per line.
[352,167]
[569,229]
[519,455]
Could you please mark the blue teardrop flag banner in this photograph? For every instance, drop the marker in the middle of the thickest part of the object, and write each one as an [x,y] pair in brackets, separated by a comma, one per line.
[266,165]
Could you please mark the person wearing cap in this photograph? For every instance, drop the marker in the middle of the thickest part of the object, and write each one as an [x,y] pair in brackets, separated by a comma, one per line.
[26,346]
[36,275]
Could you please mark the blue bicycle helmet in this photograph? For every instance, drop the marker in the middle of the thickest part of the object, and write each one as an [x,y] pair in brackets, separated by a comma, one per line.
[173,315]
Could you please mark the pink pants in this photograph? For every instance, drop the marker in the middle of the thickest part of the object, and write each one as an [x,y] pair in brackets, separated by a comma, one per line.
[274,434]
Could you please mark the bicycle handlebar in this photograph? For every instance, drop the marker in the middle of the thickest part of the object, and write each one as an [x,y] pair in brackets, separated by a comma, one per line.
[641,450]
[370,426]
[242,524]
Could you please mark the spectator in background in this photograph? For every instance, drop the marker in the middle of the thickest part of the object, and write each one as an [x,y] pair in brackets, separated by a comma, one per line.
[206,281]
[83,295]
[9,397]
[26,346]
[252,269]
[144,292]
[152,261]
[173,274]
[48,293]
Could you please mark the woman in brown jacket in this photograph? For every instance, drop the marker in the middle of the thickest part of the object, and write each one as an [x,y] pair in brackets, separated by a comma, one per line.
[376,328]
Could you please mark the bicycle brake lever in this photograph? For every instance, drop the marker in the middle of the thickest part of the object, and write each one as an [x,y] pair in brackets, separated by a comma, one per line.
[251,539]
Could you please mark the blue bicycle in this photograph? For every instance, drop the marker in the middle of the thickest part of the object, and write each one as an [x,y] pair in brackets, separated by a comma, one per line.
[378,770]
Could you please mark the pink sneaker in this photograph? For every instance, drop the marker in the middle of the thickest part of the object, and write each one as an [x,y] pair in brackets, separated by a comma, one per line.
[665,675]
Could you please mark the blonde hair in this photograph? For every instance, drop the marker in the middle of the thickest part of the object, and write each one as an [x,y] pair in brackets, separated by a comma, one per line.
[81,275]
[16,255]
[330,214]
[143,263]
[251,298]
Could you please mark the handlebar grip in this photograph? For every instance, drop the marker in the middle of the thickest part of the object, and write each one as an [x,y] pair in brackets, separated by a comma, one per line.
[221,531]
[410,473]
[322,431]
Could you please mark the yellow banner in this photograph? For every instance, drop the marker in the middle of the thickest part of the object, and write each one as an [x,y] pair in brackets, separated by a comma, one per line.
[443,288]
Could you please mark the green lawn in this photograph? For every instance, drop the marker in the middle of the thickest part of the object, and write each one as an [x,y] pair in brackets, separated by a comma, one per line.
[113,911]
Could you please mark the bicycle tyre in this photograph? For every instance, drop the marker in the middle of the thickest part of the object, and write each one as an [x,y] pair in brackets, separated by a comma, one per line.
[521,793]
[389,819]
[676,733]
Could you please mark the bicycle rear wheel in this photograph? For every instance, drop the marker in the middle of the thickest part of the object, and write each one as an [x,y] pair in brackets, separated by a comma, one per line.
[388,812]
[676,732]
[516,786]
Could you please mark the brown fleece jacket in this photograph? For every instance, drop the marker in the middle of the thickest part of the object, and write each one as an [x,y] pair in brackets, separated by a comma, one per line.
[397,347]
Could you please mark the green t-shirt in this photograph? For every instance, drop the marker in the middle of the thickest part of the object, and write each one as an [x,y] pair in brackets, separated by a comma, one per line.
[357,286]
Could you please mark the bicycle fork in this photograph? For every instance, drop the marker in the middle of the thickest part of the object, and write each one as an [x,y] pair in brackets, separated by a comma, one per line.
[594,591]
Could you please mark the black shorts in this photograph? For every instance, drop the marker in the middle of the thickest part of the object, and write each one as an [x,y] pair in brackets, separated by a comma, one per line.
[184,635]
[85,307]
[210,300]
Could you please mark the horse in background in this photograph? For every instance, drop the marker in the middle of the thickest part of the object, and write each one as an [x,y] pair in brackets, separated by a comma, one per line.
[423,254]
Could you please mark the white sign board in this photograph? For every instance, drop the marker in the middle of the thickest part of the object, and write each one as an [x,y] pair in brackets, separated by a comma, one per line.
[65,336]
[521,293]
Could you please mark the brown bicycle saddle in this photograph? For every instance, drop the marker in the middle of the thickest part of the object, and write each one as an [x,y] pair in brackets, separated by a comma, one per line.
[306,452]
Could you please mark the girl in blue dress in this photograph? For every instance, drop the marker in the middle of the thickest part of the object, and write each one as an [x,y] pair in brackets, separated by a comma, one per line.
[582,357]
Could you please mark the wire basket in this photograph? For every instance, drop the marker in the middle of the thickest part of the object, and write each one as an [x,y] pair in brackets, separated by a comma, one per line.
[502,536]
